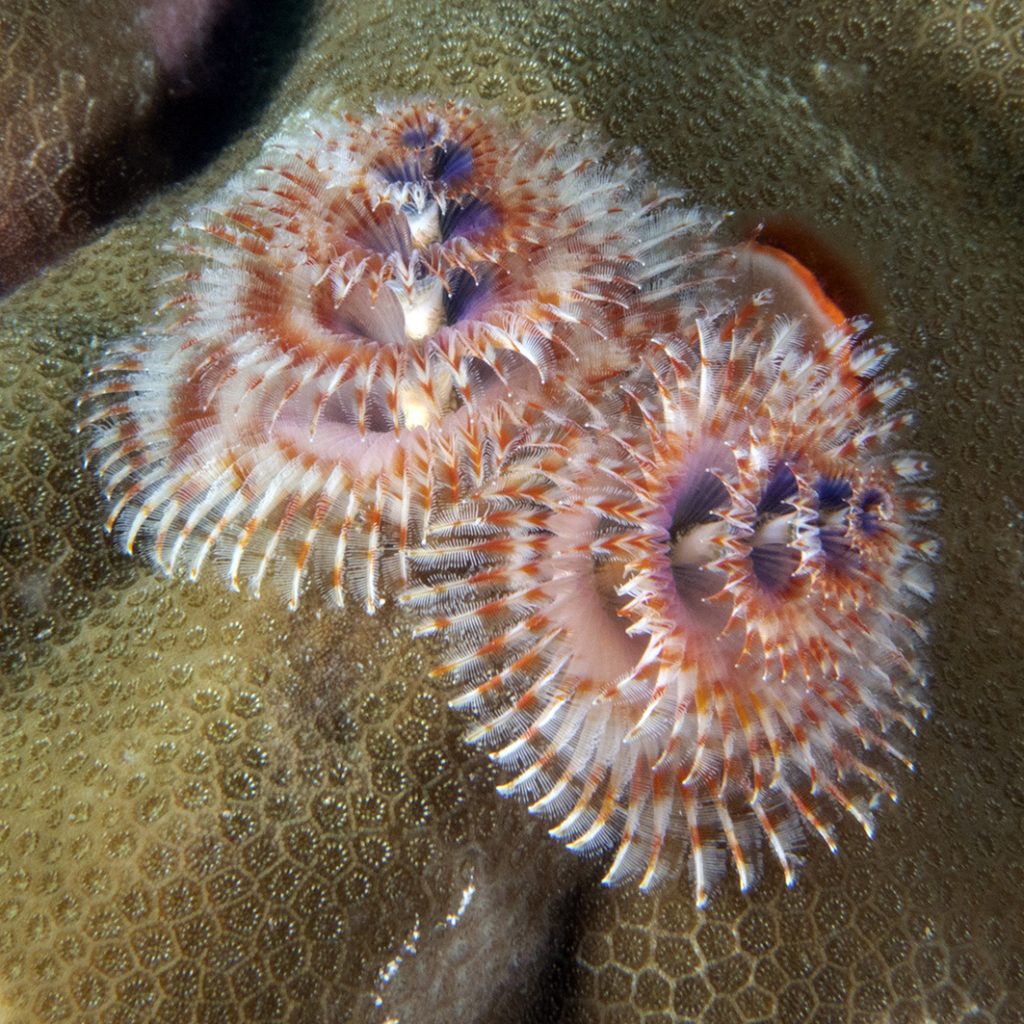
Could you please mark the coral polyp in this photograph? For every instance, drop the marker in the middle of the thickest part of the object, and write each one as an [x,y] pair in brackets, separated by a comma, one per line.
[347,304]
[689,629]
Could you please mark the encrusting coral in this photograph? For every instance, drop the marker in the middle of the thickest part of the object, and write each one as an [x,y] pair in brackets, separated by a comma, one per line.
[95,120]
[193,826]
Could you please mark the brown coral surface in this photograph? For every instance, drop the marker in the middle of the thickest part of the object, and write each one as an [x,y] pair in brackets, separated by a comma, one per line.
[103,101]
[213,809]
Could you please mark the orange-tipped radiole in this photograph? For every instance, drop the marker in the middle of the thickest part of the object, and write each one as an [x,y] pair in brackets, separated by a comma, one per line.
[689,630]
[347,306]
[647,487]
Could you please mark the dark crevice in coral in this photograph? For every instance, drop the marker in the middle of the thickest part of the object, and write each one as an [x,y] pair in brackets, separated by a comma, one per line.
[553,990]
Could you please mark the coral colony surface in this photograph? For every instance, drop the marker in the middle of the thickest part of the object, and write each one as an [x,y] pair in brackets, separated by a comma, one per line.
[646,484]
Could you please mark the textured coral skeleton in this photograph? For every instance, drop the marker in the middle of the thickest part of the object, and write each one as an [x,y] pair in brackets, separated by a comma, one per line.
[653,504]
